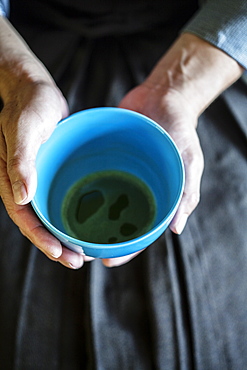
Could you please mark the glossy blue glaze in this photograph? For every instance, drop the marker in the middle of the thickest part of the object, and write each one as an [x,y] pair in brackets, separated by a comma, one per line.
[108,139]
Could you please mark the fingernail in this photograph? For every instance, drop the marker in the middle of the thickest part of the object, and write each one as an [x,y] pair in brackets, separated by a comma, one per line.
[181,223]
[19,192]
[72,266]
[55,254]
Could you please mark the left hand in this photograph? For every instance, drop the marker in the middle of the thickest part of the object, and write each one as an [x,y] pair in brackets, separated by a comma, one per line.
[175,115]
[180,87]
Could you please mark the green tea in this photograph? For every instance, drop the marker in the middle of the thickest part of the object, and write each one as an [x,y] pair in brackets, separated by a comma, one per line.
[108,207]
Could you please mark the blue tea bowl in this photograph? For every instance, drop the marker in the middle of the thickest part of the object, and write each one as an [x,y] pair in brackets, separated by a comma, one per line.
[107,139]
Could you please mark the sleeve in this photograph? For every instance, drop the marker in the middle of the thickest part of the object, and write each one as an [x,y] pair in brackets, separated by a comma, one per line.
[4,8]
[223,23]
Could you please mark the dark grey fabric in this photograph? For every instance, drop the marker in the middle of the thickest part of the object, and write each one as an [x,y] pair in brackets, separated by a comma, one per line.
[223,24]
[96,18]
[182,303]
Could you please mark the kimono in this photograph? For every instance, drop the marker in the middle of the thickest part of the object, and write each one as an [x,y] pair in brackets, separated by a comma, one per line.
[182,303]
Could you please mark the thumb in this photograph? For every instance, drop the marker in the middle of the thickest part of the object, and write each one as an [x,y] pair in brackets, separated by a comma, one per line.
[26,124]
[24,186]
[23,141]
[21,170]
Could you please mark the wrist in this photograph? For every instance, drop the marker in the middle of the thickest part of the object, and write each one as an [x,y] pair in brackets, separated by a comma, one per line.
[196,71]
[19,67]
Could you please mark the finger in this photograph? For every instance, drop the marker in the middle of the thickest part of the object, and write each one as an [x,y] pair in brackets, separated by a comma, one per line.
[43,240]
[118,261]
[22,146]
[193,164]
[71,259]
[88,259]
[33,229]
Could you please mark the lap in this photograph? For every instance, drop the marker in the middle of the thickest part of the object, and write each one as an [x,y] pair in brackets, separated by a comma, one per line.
[182,302]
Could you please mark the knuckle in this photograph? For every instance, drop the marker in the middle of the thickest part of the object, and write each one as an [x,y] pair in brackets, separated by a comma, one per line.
[14,163]
[196,160]
[193,157]
[15,168]
[193,201]
[19,165]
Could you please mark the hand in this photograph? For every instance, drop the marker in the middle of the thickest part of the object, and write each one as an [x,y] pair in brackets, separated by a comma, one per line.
[173,113]
[180,87]
[26,121]
[33,105]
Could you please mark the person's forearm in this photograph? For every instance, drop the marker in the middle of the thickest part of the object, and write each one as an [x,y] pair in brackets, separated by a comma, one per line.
[18,65]
[196,69]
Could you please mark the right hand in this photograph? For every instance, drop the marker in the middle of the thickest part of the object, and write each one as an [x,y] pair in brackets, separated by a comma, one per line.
[33,105]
